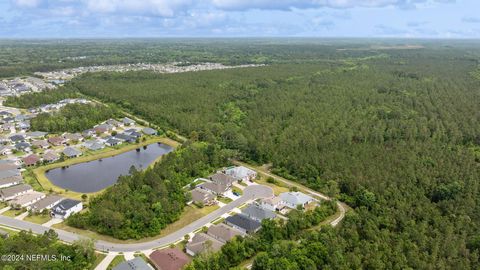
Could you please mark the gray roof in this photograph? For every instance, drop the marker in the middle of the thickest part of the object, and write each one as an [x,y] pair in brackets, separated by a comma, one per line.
[9,173]
[50,156]
[202,242]
[113,141]
[124,137]
[11,180]
[127,120]
[200,195]
[46,202]
[64,205]
[214,187]
[22,145]
[17,138]
[94,146]
[240,172]
[222,178]
[295,198]
[71,152]
[10,191]
[149,131]
[244,222]
[256,212]
[223,232]
[135,264]
[37,134]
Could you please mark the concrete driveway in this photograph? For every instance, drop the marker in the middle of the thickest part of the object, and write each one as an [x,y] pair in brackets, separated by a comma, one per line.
[249,193]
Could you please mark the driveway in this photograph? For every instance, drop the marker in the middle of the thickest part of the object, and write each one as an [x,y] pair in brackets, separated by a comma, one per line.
[249,193]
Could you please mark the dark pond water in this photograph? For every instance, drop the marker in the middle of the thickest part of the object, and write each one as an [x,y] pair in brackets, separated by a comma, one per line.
[98,174]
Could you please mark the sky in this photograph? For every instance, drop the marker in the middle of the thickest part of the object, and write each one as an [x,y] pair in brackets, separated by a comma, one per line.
[239,18]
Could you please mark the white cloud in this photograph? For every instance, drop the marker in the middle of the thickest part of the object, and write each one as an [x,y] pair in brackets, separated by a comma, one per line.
[27,3]
[302,4]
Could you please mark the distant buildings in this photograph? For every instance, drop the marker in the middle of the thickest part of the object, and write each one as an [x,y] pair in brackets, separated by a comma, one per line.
[242,173]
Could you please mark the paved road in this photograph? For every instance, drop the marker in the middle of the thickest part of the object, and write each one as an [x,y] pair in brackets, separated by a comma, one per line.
[341,206]
[249,193]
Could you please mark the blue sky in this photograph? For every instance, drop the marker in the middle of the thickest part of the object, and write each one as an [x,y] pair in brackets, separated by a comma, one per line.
[239,18]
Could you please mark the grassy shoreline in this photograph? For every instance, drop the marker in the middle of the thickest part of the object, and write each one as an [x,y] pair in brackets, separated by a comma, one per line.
[46,185]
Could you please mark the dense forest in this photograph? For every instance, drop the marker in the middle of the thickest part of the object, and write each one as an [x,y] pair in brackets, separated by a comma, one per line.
[394,131]
[73,118]
[143,203]
[81,254]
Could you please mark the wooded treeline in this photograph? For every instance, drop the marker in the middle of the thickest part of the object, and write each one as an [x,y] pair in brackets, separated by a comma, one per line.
[143,203]
[73,118]
[17,247]
[394,134]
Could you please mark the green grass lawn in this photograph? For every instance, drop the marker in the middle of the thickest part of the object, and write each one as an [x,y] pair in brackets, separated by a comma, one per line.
[224,200]
[116,261]
[39,219]
[242,183]
[237,190]
[13,213]
[218,221]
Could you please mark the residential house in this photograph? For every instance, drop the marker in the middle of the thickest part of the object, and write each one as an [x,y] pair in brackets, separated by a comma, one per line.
[125,138]
[17,138]
[169,259]
[223,233]
[273,204]
[88,133]
[134,264]
[94,145]
[12,192]
[76,137]
[6,164]
[127,121]
[9,173]
[51,156]
[26,199]
[31,160]
[65,208]
[45,203]
[295,199]
[258,213]
[224,179]
[133,132]
[10,181]
[243,223]
[4,139]
[215,188]
[9,127]
[56,141]
[114,123]
[6,150]
[71,152]
[42,144]
[103,128]
[242,173]
[23,146]
[149,131]
[220,184]
[202,242]
[24,125]
[113,142]
[203,196]
[36,134]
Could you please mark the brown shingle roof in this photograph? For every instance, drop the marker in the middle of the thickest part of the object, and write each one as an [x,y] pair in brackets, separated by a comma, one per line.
[202,242]
[223,232]
[169,259]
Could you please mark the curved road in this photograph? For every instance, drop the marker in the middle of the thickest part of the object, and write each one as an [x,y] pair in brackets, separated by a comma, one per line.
[252,192]
[341,206]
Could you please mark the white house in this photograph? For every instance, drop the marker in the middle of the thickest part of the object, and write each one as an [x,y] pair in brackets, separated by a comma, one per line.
[26,199]
[273,204]
[242,173]
[14,191]
[294,199]
[65,208]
